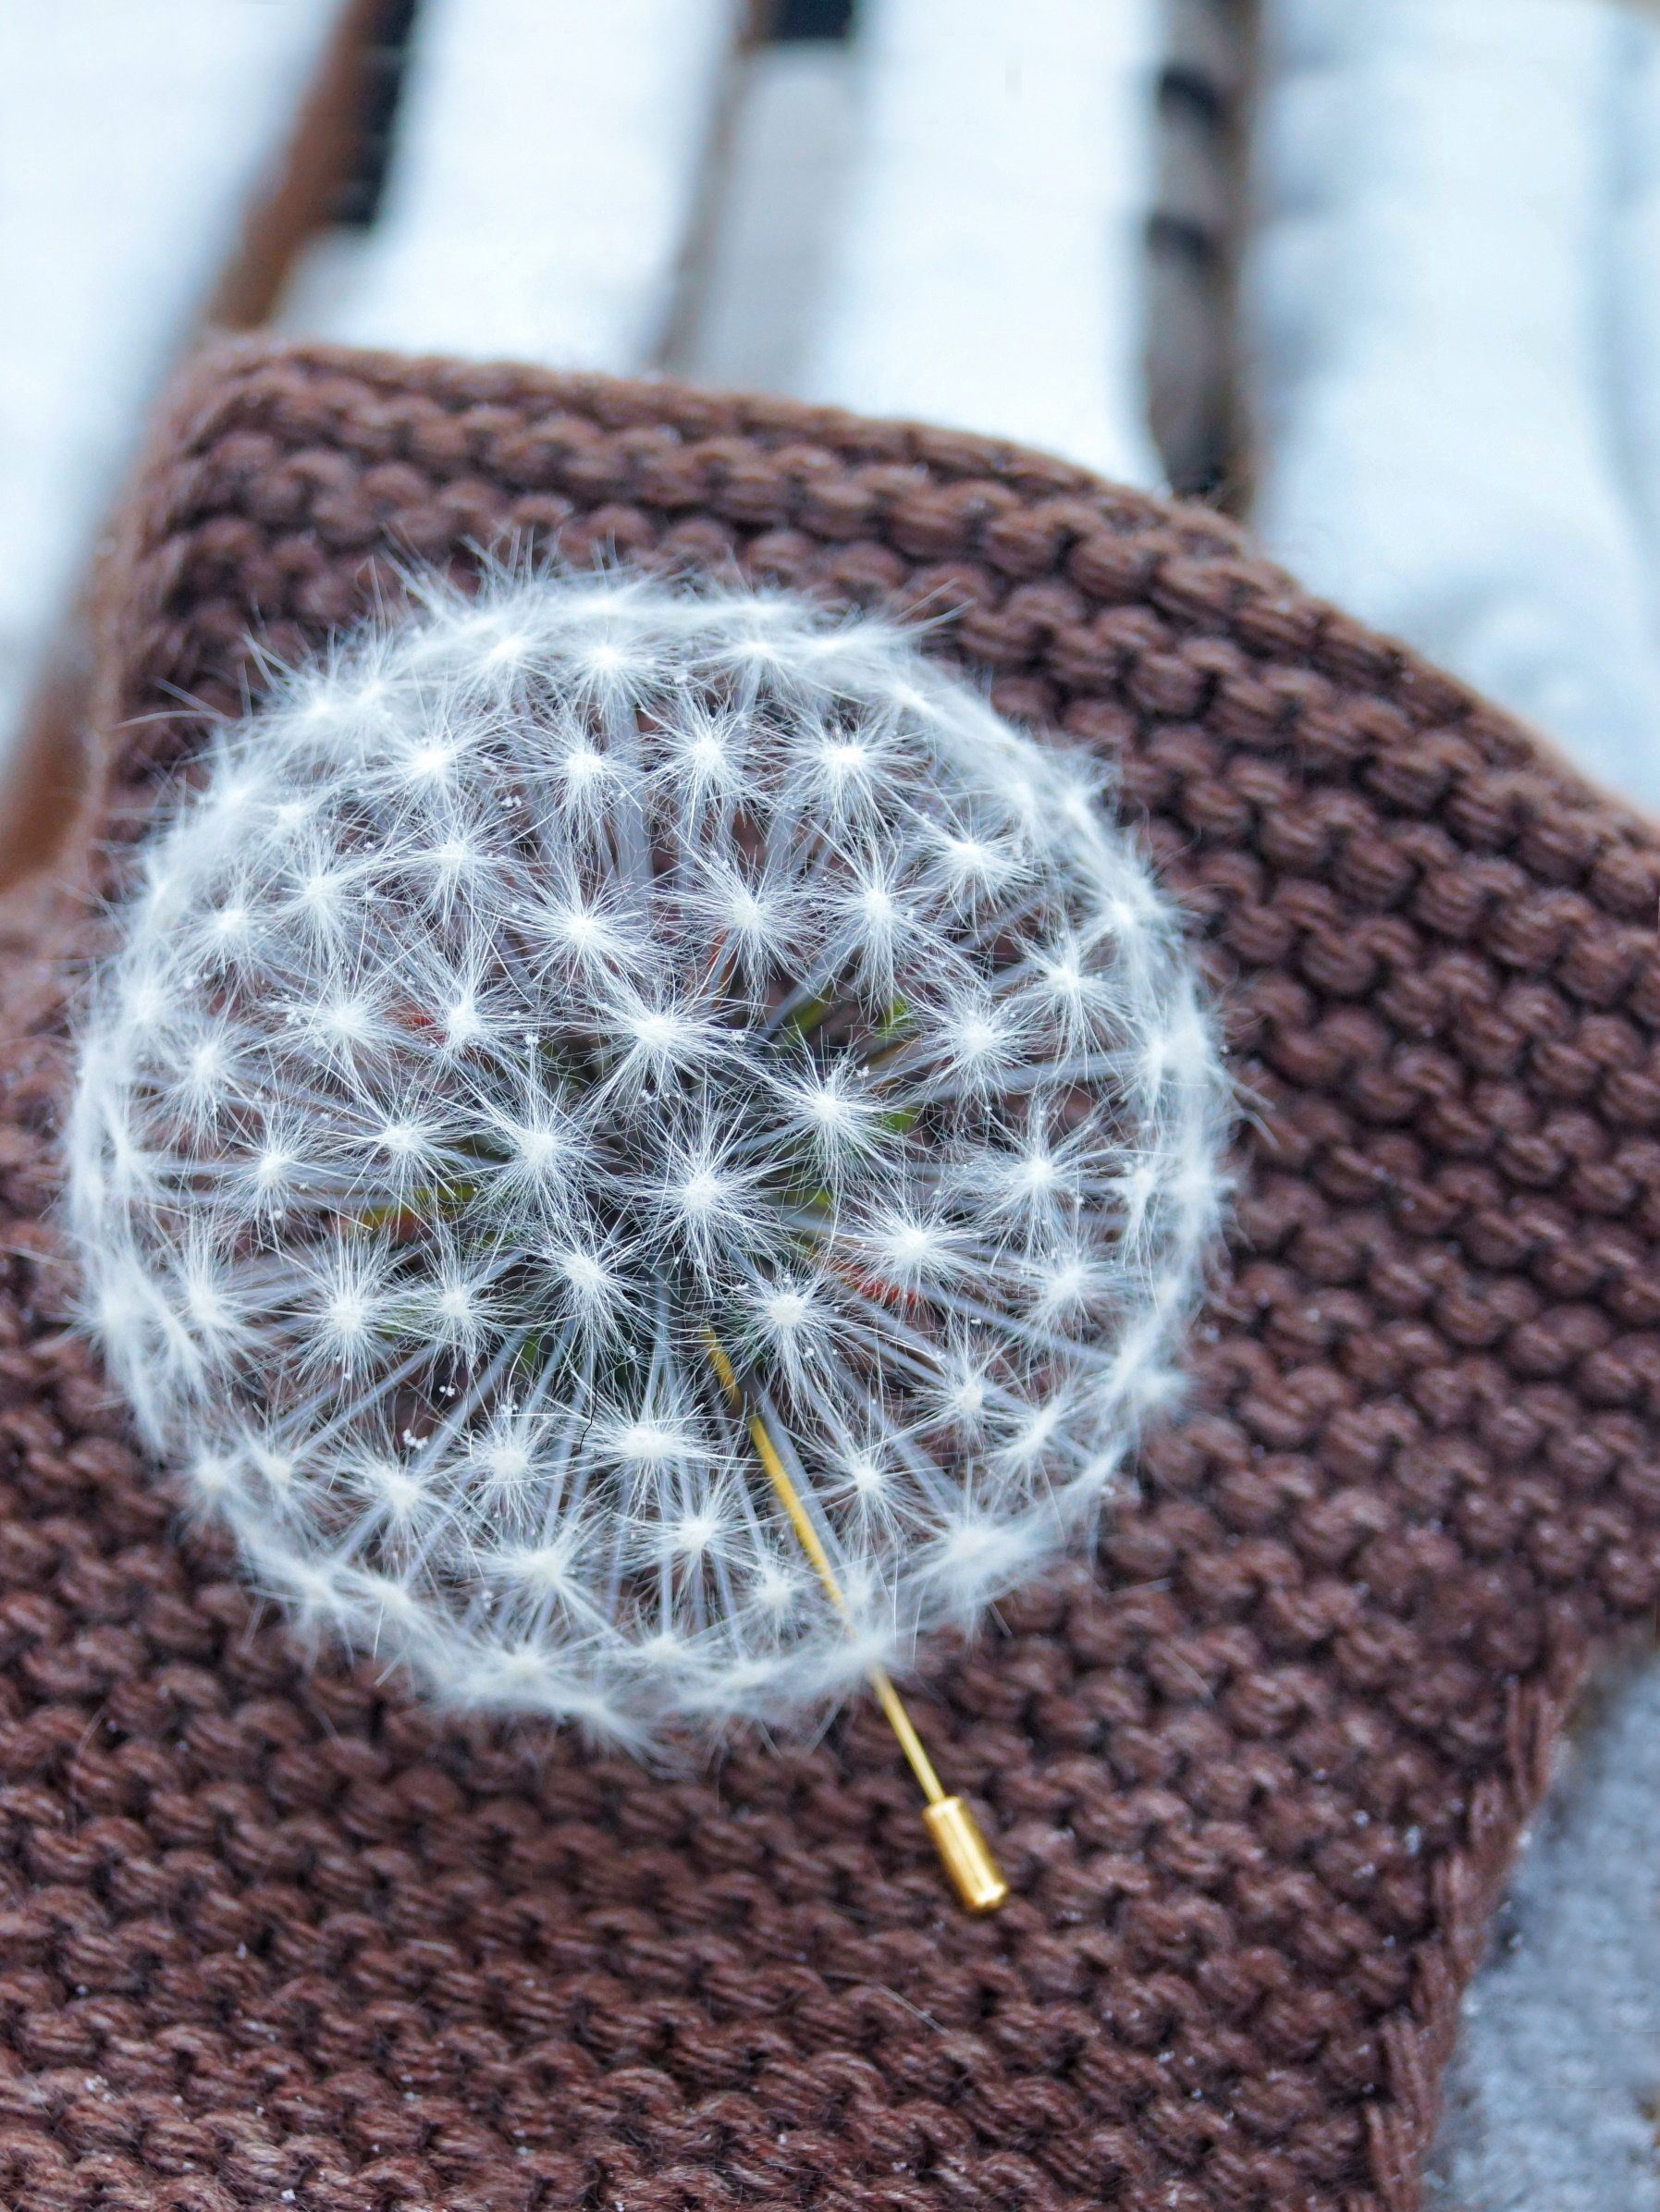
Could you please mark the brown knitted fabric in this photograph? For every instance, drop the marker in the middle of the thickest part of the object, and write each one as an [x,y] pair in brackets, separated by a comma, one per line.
[275,1939]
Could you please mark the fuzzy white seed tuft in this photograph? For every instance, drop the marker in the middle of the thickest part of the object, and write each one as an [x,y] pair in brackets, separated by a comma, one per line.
[560,981]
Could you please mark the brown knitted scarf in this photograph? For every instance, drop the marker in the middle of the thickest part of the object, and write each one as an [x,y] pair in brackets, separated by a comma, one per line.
[276,1937]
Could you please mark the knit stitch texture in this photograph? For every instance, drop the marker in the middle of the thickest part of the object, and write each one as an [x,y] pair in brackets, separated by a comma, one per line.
[276,1937]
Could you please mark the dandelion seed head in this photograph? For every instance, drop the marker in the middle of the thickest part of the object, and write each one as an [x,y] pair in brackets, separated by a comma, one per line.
[659,1032]
[543,1567]
[390,1602]
[272,1166]
[505,1462]
[968,1398]
[394,1486]
[213,1475]
[652,1444]
[786,1310]
[975,866]
[586,1273]
[1035,1170]
[701,1196]
[430,763]
[347,1313]
[206,1301]
[455,855]
[831,1109]
[774,1590]
[312,1586]
[229,923]
[523,1669]
[463,1024]
[147,1003]
[1065,1285]
[554,988]
[583,766]
[697,1534]
[538,1146]
[277,1469]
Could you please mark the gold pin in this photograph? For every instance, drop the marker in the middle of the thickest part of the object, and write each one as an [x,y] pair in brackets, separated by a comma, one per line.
[964,1851]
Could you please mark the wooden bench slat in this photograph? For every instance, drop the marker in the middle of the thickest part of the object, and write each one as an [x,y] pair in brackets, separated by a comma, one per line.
[542,188]
[134,138]
[1426,307]
[989,266]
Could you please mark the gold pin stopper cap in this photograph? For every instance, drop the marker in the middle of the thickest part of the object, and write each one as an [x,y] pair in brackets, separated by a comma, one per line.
[965,1855]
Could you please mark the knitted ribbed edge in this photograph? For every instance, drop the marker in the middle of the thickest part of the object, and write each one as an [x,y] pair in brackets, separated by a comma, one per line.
[272,1937]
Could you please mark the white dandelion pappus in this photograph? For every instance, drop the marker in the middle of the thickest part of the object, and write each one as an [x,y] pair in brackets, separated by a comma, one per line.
[561,980]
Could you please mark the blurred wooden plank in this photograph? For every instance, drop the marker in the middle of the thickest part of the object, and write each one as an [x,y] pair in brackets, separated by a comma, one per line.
[137,144]
[1634,272]
[544,185]
[990,267]
[1193,247]
[1426,299]
[773,227]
